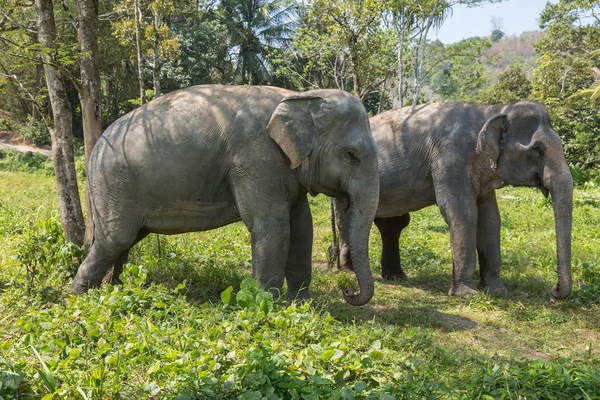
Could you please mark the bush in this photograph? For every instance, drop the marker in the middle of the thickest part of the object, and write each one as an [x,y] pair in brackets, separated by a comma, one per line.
[513,85]
[584,176]
[11,160]
[5,125]
[45,255]
[36,132]
[589,291]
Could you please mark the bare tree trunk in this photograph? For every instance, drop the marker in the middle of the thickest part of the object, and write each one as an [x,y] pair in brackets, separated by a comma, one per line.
[419,55]
[62,132]
[417,82]
[138,47]
[89,94]
[156,66]
[35,110]
[400,70]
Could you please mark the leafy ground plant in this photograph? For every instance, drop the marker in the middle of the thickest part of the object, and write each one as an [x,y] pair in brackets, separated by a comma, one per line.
[189,324]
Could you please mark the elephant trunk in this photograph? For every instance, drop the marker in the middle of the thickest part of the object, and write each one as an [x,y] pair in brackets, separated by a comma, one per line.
[557,178]
[360,215]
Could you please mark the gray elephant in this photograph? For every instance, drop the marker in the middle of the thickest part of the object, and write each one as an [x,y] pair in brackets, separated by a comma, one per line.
[457,155]
[207,156]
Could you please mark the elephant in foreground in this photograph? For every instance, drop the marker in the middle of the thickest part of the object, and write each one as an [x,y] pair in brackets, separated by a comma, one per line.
[207,156]
[457,155]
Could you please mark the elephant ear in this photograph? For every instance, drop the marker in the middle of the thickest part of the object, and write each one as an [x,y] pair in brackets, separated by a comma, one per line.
[293,128]
[489,140]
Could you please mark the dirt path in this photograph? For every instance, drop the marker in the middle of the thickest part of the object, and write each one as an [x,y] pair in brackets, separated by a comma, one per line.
[9,140]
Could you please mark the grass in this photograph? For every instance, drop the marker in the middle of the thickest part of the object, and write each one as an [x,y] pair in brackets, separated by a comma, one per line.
[175,330]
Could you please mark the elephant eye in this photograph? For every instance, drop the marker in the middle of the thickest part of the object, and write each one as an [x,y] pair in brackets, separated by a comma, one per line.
[352,157]
[538,149]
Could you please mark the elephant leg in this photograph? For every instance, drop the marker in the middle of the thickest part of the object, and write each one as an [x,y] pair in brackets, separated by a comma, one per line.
[122,259]
[111,239]
[268,221]
[95,266]
[390,229]
[488,244]
[341,218]
[298,270]
[460,213]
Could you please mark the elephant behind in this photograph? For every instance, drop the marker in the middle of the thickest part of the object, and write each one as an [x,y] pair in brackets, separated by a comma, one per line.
[207,156]
[457,155]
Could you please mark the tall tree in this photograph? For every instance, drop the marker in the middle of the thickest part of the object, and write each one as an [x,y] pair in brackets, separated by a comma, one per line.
[569,56]
[61,130]
[257,28]
[89,89]
[455,72]
[340,44]
[145,25]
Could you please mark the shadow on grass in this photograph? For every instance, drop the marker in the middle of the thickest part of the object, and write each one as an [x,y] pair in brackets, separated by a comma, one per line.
[203,282]
[419,315]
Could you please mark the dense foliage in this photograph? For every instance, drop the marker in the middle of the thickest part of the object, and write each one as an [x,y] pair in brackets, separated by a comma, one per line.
[379,50]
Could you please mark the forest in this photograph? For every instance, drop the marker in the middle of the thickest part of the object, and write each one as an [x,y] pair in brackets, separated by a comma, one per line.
[189,321]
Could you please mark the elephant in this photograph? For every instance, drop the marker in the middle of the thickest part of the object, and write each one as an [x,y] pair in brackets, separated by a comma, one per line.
[456,155]
[210,155]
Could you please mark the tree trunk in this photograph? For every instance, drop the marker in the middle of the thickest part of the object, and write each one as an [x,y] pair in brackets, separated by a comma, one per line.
[420,54]
[400,71]
[156,66]
[89,94]
[138,48]
[401,34]
[61,131]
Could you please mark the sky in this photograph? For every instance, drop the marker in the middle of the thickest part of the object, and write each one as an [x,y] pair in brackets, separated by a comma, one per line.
[516,15]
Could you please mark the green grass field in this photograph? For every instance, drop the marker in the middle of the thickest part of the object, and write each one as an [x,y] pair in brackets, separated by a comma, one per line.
[169,332]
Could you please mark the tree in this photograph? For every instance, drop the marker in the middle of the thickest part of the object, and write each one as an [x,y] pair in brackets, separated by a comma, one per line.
[89,90]
[497,25]
[512,85]
[204,54]
[340,44]
[412,21]
[569,55]
[144,24]
[61,130]
[456,70]
[257,28]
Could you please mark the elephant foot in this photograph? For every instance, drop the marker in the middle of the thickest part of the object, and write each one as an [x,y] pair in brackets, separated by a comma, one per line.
[80,286]
[462,290]
[302,296]
[494,286]
[394,276]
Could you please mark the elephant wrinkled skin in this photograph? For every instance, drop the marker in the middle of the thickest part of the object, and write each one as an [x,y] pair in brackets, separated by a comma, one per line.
[456,155]
[207,156]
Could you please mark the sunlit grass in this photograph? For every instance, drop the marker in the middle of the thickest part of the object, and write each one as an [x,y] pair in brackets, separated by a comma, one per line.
[151,338]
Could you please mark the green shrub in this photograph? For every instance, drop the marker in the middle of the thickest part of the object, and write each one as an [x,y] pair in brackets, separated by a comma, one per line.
[45,256]
[585,177]
[537,379]
[5,125]
[35,131]
[11,160]
[589,291]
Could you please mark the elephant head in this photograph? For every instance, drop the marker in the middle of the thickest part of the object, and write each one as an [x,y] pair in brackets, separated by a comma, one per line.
[526,151]
[326,136]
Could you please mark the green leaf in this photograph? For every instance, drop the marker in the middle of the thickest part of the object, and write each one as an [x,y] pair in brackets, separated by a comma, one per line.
[244,299]
[226,295]
[327,354]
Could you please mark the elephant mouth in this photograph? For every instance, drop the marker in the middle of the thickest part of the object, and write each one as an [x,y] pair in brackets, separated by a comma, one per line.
[540,185]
